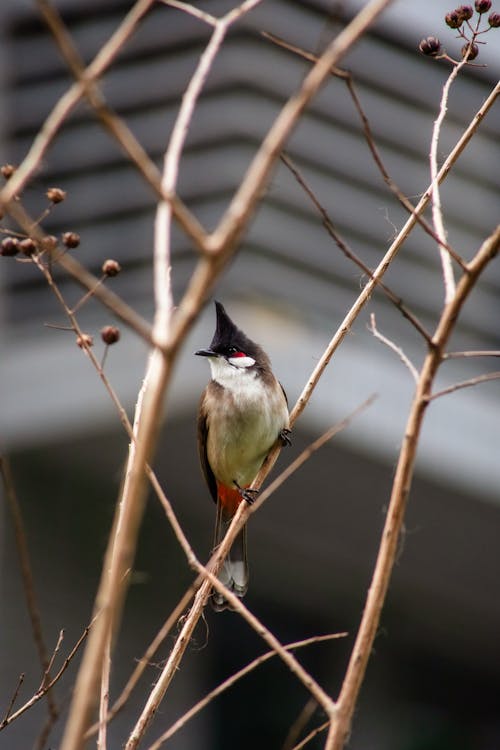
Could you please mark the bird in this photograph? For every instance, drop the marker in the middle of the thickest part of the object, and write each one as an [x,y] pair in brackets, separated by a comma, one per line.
[243,412]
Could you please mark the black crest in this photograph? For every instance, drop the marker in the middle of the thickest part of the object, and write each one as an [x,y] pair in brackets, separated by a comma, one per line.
[228,337]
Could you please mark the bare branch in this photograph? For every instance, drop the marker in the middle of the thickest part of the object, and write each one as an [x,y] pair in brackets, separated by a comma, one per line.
[42,691]
[69,100]
[300,722]
[116,126]
[370,140]
[437,214]
[465,384]
[479,353]
[395,348]
[27,577]
[340,725]
[343,246]
[12,701]
[230,681]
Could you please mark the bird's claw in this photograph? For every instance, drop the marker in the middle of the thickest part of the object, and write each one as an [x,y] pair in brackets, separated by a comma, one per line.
[284,436]
[247,493]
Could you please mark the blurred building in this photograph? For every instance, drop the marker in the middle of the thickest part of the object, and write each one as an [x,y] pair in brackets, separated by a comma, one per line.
[433,680]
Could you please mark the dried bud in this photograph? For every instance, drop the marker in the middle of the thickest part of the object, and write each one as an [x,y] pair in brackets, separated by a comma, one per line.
[71,239]
[9,246]
[27,246]
[465,11]
[110,334]
[453,19]
[49,242]
[482,6]
[430,46]
[494,20]
[55,195]
[85,340]
[7,170]
[111,268]
[470,51]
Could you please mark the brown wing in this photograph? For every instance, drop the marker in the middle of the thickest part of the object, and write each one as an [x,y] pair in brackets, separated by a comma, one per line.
[202,447]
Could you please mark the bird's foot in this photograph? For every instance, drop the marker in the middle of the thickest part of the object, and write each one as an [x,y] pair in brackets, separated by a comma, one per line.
[284,436]
[247,493]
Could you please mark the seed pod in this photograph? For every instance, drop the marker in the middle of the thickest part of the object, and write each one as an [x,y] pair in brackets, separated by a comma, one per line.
[71,239]
[465,11]
[430,46]
[55,195]
[482,6]
[453,19]
[110,334]
[470,51]
[27,246]
[7,170]
[111,267]
[84,340]
[9,246]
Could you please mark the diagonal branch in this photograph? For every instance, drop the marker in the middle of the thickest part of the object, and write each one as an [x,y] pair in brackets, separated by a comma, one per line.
[117,127]
[340,726]
[70,99]
[342,245]
[230,681]
[370,140]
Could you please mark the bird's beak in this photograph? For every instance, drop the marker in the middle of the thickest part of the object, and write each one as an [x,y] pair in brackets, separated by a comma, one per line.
[205,353]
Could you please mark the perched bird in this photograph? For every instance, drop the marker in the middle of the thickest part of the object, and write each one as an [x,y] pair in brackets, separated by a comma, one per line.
[243,412]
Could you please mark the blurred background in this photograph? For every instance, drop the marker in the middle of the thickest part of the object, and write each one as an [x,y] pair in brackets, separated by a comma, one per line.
[433,679]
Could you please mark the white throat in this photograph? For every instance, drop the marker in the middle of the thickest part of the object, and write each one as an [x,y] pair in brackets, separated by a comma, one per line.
[231,374]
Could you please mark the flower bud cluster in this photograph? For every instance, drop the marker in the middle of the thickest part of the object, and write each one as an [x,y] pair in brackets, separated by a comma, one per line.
[459,19]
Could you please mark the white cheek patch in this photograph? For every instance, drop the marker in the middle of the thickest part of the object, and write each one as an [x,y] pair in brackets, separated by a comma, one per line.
[241,361]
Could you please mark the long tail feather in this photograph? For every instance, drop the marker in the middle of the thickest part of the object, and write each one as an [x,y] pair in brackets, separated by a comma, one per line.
[234,569]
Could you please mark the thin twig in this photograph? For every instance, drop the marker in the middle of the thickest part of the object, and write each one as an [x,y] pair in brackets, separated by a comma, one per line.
[312,735]
[477,353]
[395,348]
[27,577]
[230,681]
[465,384]
[370,140]
[437,213]
[117,127]
[300,723]
[12,701]
[201,15]
[341,722]
[68,102]
[75,269]
[343,246]
[41,692]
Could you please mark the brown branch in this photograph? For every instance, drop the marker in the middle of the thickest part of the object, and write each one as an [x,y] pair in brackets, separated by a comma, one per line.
[340,725]
[75,269]
[44,689]
[27,577]
[300,722]
[314,733]
[68,102]
[12,701]
[344,247]
[466,355]
[370,140]
[465,384]
[116,126]
[230,681]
